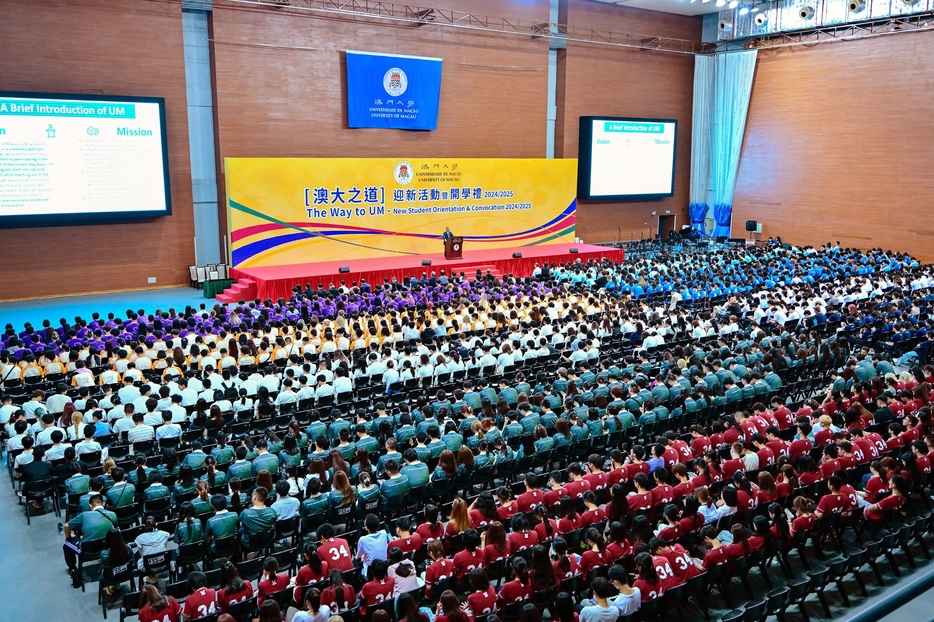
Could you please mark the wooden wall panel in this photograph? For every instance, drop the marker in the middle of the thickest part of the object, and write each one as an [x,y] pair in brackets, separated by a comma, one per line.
[838,145]
[132,47]
[290,101]
[605,80]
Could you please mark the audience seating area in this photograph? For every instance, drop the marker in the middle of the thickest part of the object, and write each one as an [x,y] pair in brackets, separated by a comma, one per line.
[776,408]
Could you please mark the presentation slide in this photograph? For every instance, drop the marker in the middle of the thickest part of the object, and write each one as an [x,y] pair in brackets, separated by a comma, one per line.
[624,158]
[67,159]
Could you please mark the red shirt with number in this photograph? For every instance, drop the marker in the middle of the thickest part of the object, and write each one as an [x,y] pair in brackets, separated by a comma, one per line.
[513,592]
[530,499]
[615,476]
[491,554]
[766,456]
[271,586]
[866,448]
[170,613]
[596,480]
[683,450]
[329,598]
[576,489]
[617,550]
[661,494]
[437,571]
[670,533]
[700,446]
[648,590]
[664,571]
[478,519]
[779,448]
[465,561]
[482,603]
[798,448]
[803,523]
[634,468]
[731,466]
[566,525]
[591,559]
[891,502]
[201,603]
[427,533]
[337,554]
[874,488]
[682,490]
[830,504]
[376,592]
[225,598]
[640,500]
[573,569]
[505,512]
[690,524]
[785,418]
[681,562]
[543,533]
[590,517]
[408,545]
[849,500]
[519,540]
[715,557]
[829,468]
[306,575]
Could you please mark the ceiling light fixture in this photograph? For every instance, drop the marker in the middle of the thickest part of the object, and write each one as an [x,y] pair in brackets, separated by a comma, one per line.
[721,2]
[734,4]
[743,10]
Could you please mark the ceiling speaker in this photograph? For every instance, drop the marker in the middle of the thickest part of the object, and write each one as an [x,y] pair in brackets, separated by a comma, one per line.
[517,255]
[426,262]
[344,269]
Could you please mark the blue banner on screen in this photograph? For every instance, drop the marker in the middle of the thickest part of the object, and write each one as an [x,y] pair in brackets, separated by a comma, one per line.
[395,92]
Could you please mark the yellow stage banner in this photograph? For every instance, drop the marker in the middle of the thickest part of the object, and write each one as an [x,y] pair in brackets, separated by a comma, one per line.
[299,210]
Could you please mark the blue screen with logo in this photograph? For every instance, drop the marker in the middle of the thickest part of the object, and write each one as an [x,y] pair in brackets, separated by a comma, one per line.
[393,92]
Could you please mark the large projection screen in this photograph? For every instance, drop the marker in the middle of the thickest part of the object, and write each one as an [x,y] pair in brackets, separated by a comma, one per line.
[625,158]
[79,159]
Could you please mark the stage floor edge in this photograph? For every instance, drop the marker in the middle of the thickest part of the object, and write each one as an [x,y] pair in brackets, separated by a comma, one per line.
[277,281]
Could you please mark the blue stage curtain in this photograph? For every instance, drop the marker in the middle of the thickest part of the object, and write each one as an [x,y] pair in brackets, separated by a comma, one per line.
[723,215]
[697,212]
[732,88]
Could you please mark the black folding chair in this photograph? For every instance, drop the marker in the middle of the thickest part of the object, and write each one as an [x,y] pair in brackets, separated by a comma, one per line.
[157,563]
[90,552]
[39,491]
[118,575]
[243,611]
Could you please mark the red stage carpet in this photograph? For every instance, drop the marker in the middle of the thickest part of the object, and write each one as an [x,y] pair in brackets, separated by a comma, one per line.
[278,281]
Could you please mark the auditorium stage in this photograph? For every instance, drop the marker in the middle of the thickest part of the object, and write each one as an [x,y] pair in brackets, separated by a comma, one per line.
[277,281]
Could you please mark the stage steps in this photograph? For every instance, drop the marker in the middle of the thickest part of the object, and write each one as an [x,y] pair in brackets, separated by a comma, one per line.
[471,271]
[244,289]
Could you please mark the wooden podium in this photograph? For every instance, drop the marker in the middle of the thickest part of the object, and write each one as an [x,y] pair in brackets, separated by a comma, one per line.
[454,248]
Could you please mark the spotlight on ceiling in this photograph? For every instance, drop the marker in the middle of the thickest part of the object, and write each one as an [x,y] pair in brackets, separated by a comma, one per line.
[743,10]
[734,4]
